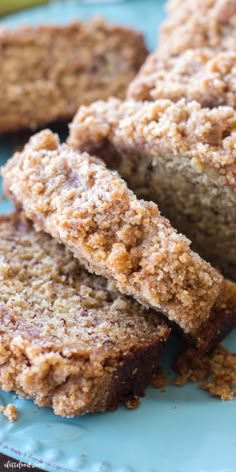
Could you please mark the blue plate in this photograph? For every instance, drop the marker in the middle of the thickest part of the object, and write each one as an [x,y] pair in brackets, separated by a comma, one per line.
[180,430]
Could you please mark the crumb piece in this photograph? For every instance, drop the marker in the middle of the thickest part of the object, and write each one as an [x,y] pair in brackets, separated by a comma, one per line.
[132,403]
[215,372]
[160,379]
[10,411]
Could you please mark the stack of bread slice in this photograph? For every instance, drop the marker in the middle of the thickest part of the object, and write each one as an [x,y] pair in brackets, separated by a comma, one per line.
[94,273]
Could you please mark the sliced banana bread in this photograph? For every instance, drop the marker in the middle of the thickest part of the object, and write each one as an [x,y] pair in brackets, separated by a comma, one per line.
[197,74]
[68,339]
[196,24]
[77,200]
[181,156]
[47,71]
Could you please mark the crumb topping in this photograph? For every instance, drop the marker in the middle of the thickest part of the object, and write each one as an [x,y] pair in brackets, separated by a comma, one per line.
[197,74]
[207,137]
[193,24]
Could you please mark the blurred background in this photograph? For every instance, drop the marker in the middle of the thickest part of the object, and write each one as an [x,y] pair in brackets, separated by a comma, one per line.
[144,15]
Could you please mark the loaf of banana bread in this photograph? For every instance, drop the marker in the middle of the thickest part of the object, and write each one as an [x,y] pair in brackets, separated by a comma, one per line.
[68,339]
[196,23]
[77,200]
[47,71]
[180,155]
[196,74]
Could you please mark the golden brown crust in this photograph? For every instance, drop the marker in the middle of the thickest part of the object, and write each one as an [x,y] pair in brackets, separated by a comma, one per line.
[68,339]
[197,74]
[77,200]
[196,24]
[63,66]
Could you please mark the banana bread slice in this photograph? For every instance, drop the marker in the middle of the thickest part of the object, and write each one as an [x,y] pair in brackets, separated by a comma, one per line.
[197,74]
[89,208]
[68,339]
[47,71]
[197,24]
[180,155]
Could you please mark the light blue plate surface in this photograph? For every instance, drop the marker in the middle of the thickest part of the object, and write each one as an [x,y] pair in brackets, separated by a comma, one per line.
[181,430]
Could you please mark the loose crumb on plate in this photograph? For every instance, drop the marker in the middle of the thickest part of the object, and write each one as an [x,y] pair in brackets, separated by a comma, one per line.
[215,372]
[132,403]
[160,379]
[10,411]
